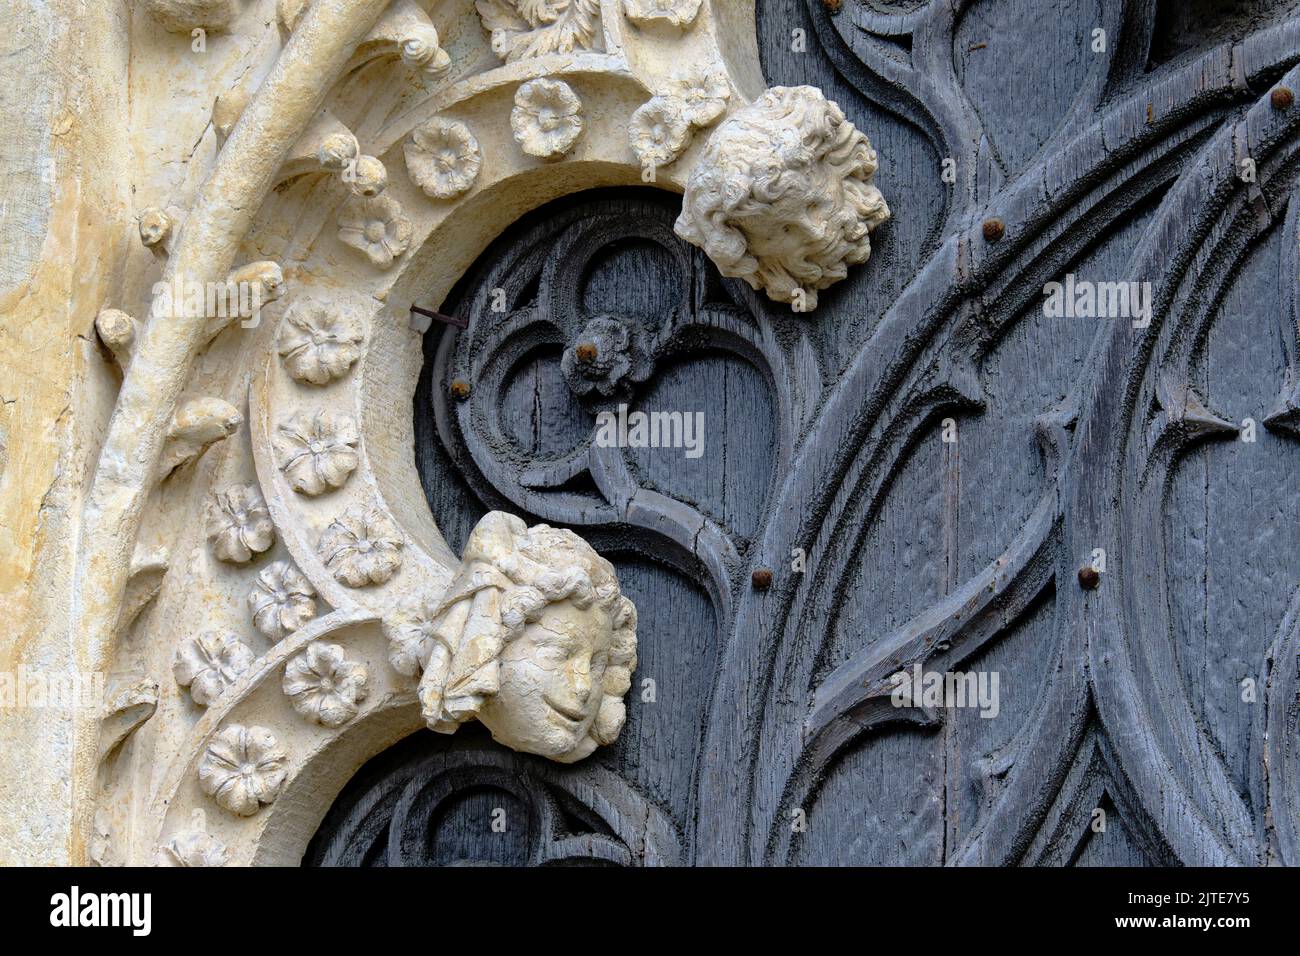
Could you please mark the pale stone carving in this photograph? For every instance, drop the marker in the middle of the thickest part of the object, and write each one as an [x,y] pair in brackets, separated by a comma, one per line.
[410,632]
[282,600]
[526,28]
[362,547]
[421,49]
[547,118]
[239,526]
[324,685]
[661,128]
[155,227]
[182,16]
[404,27]
[197,424]
[132,701]
[783,196]
[658,131]
[680,13]
[367,177]
[319,342]
[534,639]
[243,769]
[208,664]
[703,93]
[443,157]
[118,332]
[376,226]
[317,451]
[193,847]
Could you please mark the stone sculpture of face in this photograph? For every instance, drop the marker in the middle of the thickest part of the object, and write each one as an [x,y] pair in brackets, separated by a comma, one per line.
[552,683]
[534,640]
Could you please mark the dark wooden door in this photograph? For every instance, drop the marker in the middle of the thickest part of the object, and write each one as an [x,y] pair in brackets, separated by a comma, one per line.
[931,465]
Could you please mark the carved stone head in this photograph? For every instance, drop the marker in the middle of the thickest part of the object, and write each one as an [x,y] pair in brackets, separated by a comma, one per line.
[783,197]
[534,639]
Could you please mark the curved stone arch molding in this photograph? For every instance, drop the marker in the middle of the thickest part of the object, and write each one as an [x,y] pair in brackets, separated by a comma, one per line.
[274,397]
[320,760]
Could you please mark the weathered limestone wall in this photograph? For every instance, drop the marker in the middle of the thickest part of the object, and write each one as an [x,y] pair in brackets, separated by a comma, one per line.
[65,222]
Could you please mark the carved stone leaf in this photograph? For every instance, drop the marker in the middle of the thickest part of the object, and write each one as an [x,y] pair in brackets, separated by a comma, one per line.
[527,28]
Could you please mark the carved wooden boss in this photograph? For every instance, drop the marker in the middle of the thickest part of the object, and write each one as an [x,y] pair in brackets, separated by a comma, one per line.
[305,611]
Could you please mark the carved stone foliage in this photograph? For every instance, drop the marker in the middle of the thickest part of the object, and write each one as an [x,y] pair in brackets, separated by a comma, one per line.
[193,847]
[211,662]
[784,196]
[375,226]
[182,16]
[443,158]
[281,600]
[239,526]
[324,685]
[529,28]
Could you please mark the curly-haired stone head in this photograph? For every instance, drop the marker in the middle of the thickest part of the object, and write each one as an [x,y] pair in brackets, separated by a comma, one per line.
[783,197]
[533,639]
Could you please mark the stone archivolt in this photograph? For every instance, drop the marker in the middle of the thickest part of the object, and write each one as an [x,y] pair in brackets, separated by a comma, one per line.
[323,611]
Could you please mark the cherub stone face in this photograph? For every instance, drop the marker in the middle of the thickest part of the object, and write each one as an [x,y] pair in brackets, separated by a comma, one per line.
[552,679]
[533,639]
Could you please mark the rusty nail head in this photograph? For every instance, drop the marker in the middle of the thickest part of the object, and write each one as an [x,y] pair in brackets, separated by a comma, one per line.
[994,229]
[761,578]
[460,390]
[585,351]
[1089,577]
[1281,98]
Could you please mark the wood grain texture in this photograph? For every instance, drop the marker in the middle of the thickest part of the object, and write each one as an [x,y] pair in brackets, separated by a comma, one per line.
[769,736]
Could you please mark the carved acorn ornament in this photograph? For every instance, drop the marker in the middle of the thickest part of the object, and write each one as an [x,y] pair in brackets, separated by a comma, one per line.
[784,196]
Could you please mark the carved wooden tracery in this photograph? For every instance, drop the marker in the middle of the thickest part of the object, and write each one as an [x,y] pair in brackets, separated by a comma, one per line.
[375,174]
